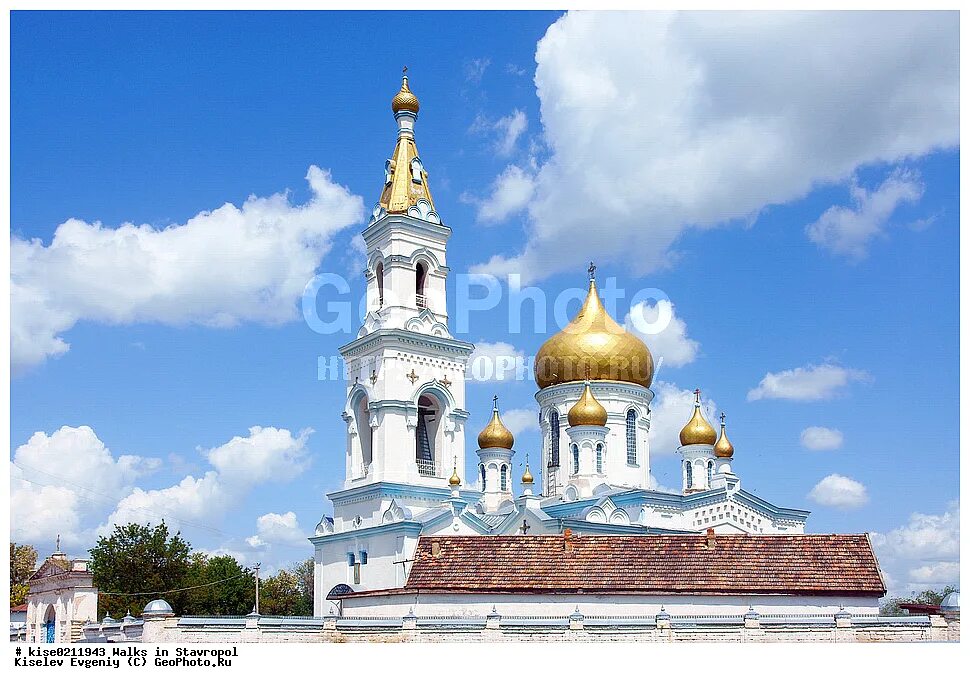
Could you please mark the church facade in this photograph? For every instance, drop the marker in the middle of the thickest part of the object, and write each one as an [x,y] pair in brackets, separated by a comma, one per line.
[406,421]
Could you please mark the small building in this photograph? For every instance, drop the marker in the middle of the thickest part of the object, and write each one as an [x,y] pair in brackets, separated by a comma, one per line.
[61,599]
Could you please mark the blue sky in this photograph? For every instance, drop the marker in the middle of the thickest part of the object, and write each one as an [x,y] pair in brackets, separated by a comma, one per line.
[810,228]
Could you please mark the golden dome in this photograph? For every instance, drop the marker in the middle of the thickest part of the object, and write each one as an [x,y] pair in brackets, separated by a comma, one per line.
[723,448]
[495,434]
[405,99]
[587,411]
[527,477]
[455,480]
[593,346]
[698,430]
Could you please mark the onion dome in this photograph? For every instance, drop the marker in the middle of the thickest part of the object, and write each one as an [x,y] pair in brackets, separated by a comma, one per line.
[593,346]
[723,448]
[495,434]
[527,477]
[587,411]
[455,480]
[405,99]
[698,430]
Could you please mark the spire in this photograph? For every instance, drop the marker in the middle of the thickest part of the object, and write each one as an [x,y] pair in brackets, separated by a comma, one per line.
[697,430]
[406,188]
[723,448]
[495,434]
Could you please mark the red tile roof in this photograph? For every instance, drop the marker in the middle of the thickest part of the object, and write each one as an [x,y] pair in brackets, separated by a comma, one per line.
[19,608]
[736,564]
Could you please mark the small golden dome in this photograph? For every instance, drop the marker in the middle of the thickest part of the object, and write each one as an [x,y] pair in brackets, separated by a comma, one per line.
[527,477]
[587,411]
[593,346]
[698,430]
[723,448]
[455,480]
[495,434]
[405,99]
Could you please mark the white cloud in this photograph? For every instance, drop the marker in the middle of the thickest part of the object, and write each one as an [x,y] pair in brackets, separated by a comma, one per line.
[848,230]
[670,411]
[672,343]
[220,268]
[657,123]
[63,480]
[475,69]
[267,454]
[809,383]
[520,420]
[511,192]
[839,492]
[926,550]
[273,528]
[509,128]
[497,362]
[821,439]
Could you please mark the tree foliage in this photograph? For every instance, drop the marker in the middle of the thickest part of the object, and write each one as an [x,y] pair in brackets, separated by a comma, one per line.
[289,592]
[23,561]
[235,592]
[891,607]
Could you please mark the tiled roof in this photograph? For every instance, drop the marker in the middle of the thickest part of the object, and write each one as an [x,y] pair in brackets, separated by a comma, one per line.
[19,608]
[738,564]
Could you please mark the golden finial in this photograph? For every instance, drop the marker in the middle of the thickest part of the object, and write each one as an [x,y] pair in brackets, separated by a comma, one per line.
[697,430]
[405,99]
[495,434]
[723,448]
[527,477]
[587,411]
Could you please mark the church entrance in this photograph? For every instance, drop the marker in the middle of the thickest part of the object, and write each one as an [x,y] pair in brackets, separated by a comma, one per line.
[49,624]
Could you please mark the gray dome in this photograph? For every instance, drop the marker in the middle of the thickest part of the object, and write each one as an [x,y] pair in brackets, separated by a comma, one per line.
[951,603]
[158,608]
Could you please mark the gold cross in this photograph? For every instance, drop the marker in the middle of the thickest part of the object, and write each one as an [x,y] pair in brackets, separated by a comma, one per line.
[413,376]
[446,382]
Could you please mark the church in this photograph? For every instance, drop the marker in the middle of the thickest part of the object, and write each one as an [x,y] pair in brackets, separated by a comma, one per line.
[405,503]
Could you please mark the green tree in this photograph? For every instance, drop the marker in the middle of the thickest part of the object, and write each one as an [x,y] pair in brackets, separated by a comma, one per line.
[280,595]
[23,560]
[304,577]
[224,586]
[141,559]
[891,608]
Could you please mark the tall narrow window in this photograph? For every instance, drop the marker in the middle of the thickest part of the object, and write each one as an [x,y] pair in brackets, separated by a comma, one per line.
[690,475]
[505,478]
[599,458]
[481,475]
[554,430]
[710,474]
[425,436]
[575,459]
[631,437]
[380,285]
[420,275]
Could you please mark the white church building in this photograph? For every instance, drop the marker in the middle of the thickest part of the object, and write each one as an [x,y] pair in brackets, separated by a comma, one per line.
[406,448]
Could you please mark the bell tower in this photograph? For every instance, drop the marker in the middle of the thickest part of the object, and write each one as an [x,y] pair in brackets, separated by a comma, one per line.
[405,409]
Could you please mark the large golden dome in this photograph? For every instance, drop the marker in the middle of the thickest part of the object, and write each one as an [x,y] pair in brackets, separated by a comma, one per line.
[587,411]
[697,430]
[593,346]
[405,100]
[495,434]
[723,448]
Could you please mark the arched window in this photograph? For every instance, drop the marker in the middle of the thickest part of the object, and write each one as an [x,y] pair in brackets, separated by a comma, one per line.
[554,429]
[426,436]
[690,475]
[380,284]
[481,475]
[631,437]
[504,480]
[575,459]
[599,458]
[364,434]
[710,474]
[420,275]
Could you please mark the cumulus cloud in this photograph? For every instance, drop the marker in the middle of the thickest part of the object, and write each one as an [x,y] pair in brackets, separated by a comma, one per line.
[60,482]
[925,550]
[276,529]
[821,439]
[520,420]
[220,268]
[848,230]
[671,343]
[839,492]
[510,193]
[497,362]
[670,411]
[809,383]
[657,123]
